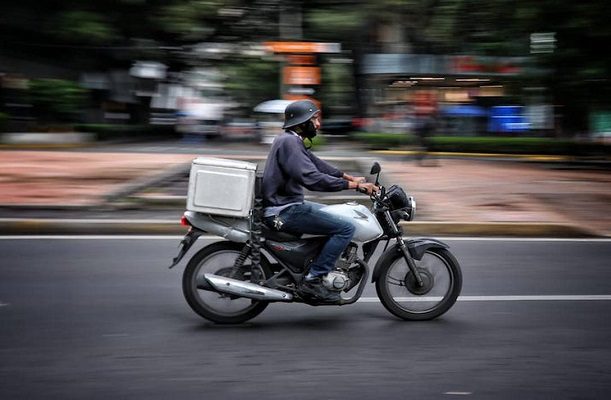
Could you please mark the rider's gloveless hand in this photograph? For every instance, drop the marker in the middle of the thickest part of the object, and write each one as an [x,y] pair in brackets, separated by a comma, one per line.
[367,187]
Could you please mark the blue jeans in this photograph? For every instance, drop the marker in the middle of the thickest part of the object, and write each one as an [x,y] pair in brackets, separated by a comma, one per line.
[307,218]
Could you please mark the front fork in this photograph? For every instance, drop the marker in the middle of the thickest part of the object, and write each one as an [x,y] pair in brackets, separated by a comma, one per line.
[410,261]
[396,233]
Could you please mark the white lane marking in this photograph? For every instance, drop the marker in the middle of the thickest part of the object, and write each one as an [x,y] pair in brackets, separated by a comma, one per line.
[516,239]
[101,237]
[3,304]
[459,393]
[96,221]
[499,298]
[211,237]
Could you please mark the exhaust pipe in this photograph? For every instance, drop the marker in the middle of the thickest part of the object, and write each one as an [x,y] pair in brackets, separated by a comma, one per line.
[242,289]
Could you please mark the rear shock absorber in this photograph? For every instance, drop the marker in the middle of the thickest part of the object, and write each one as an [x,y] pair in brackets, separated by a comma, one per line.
[253,246]
[256,236]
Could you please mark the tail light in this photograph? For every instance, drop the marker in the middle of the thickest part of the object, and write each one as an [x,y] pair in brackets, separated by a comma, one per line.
[184,221]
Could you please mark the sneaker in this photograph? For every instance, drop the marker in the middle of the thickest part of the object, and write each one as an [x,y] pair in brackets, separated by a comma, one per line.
[314,287]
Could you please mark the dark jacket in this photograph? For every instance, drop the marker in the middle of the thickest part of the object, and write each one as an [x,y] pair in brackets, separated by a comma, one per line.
[290,167]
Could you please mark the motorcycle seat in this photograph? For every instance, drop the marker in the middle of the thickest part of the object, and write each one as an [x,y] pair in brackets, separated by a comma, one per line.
[277,236]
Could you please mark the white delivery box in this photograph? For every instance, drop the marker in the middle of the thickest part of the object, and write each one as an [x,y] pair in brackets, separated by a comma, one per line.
[220,186]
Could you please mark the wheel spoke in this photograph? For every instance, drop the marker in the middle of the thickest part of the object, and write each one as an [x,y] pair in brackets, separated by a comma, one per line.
[394,281]
[409,298]
[223,303]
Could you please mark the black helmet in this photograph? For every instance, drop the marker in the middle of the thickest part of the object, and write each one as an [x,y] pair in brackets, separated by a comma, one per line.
[299,112]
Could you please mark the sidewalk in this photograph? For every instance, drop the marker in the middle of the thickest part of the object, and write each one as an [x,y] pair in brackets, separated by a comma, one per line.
[54,191]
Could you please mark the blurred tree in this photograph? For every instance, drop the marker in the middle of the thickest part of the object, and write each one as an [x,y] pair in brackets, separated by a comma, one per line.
[251,81]
[577,67]
[99,32]
[576,71]
[337,90]
[83,27]
[56,100]
[109,33]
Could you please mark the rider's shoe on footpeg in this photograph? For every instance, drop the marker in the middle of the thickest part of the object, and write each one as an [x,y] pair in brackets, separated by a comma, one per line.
[313,286]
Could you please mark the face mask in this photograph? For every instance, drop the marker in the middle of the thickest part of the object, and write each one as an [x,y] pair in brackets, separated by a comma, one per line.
[307,130]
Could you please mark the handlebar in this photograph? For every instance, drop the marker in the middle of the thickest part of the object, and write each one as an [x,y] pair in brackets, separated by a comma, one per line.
[361,190]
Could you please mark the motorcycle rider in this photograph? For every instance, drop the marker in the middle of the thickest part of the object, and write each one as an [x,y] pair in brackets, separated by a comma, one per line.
[289,168]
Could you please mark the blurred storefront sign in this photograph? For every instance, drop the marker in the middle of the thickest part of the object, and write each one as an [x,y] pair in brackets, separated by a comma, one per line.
[302,47]
[484,65]
[507,119]
[301,74]
[456,79]
[418,64]
[470,90]
[298,75]
[300,59]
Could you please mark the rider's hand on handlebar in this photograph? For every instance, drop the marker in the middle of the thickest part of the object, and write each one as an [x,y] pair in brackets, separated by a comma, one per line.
[356,179]
[367,187]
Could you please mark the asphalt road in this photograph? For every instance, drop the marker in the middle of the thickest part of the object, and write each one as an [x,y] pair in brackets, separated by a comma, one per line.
[101,318]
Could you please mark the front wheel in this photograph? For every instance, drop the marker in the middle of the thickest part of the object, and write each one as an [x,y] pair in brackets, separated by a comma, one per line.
[218,259]
[400,293]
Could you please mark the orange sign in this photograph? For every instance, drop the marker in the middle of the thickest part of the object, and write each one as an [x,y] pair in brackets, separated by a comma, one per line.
[302,47]
[301,75]
[474,65]
[299,59]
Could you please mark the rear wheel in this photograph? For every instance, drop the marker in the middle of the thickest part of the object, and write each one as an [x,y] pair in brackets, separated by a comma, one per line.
[400,293]
[218,259]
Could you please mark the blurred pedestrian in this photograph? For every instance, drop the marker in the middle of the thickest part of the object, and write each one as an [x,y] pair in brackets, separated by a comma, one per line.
[425,112]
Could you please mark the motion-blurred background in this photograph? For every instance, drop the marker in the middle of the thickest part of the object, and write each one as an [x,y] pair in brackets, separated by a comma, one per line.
[202,69]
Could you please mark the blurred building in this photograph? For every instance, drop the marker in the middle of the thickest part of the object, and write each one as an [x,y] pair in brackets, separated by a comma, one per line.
[471,93]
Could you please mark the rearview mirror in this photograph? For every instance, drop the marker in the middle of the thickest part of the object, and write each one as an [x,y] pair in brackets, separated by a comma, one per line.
[375,168]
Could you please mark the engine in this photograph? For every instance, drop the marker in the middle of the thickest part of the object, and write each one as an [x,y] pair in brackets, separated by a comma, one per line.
[340,278]
[336,280]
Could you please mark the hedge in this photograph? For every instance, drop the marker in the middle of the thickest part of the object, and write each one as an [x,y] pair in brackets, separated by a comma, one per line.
[486,144]
[126,132]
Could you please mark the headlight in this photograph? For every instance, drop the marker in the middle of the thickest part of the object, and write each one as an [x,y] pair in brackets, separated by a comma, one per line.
[406,213]
[398,198]
[412,212]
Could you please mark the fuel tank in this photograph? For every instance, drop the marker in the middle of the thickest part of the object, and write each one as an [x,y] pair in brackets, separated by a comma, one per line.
[367,226]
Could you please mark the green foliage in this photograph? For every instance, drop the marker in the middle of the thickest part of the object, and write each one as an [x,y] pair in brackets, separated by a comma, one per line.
[56,100]
[503,145]
[127,132]
[251,81]
[484,145]
[577,72]
[339,22]
[337,90]
[380,141]
[84,27]
[3,121]
[186,19]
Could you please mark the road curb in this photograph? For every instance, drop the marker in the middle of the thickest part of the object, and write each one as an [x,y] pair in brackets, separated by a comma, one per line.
[40,226]
[523,157]
[498,229]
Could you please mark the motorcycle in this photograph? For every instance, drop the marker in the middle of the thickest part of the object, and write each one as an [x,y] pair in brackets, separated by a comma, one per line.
[234,280]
